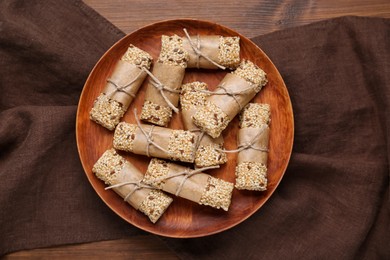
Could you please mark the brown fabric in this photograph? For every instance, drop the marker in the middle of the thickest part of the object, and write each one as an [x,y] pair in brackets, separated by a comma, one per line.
[47,49]
[333,202]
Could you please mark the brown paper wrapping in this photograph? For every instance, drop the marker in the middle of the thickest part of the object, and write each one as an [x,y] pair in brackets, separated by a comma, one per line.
[124,73]
[160,136]
[230,105]
[209,46]
[162,143]
[245,136]
[193,187]
[171,77]
[129,173]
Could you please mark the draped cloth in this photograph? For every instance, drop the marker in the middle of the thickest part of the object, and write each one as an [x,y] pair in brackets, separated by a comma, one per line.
[333,202]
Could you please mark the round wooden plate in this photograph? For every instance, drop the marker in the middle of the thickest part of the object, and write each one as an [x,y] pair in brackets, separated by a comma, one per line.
[184,218]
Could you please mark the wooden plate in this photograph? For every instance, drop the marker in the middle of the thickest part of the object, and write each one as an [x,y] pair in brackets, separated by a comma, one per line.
[184,218]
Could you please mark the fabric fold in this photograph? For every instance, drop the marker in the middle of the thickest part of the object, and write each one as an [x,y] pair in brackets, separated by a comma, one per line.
[332,202]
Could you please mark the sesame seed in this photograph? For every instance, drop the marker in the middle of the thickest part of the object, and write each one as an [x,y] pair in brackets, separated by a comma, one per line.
[217,194]
[251,73]
[229,52]
[255,115]
[211,119]
[251,176]
[138,57]
[156,114]
[106,112]
[172,51]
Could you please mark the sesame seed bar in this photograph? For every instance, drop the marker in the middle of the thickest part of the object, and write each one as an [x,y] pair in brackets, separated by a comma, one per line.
[201,188]
[236,90]
[208,152]
[251,169]
[225,51]
[169,70]
[177,145]
[113,169]
[121,88]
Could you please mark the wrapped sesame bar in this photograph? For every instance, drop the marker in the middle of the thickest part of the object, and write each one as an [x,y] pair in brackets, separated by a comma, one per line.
[208,150]
[189,184]
[163,89]
[155,141]
[126,181]
[253,138]
[234,91]
[121,88]
[212,51]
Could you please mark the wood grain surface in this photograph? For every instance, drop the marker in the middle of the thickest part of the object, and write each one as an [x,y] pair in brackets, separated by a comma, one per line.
[250,18]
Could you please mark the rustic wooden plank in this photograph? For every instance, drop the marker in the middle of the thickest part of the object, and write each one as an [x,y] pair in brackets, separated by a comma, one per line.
[139,247]
[250,18]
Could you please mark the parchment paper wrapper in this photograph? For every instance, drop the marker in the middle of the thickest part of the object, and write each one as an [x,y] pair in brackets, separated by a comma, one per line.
[178,145]
[200,187]
[121,88]
[114,169]
[209,150]
[245,135]
[167,74]
[234,91]
[124,73]
[251,170]
[156,109]
[224,51]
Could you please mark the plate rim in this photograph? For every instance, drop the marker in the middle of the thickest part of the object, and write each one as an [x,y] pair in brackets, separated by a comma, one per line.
[255,209]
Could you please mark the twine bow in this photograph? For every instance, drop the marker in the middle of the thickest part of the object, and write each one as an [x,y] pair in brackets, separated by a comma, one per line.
[228,92]
[187,173]
[198,52]
[249,144]
[161,87]
[138,185]
[123,88]
[148,136]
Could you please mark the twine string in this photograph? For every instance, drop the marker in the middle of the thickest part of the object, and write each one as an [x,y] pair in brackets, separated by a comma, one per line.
[123,88]
[138,185]
[228,92]
[148,136]
[248,145]
[198,52]
[161,88]
[187,173]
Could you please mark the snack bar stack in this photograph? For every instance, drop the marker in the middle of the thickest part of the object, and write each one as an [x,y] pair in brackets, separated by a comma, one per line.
[190,184]
[163,89]
[155,141]
[234,91]
[253,138]
[121,88]
[209,150]
[212,51]
[126,181]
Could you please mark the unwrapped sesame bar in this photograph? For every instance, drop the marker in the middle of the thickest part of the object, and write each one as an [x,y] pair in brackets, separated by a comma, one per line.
[234,91]
[121,88]
[212,51]
[126,180]
[208,150]
[253,138]
[193,185]
[155,141]
[163,88]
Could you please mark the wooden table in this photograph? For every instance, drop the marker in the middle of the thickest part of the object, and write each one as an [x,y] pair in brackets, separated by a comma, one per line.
[250,18]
